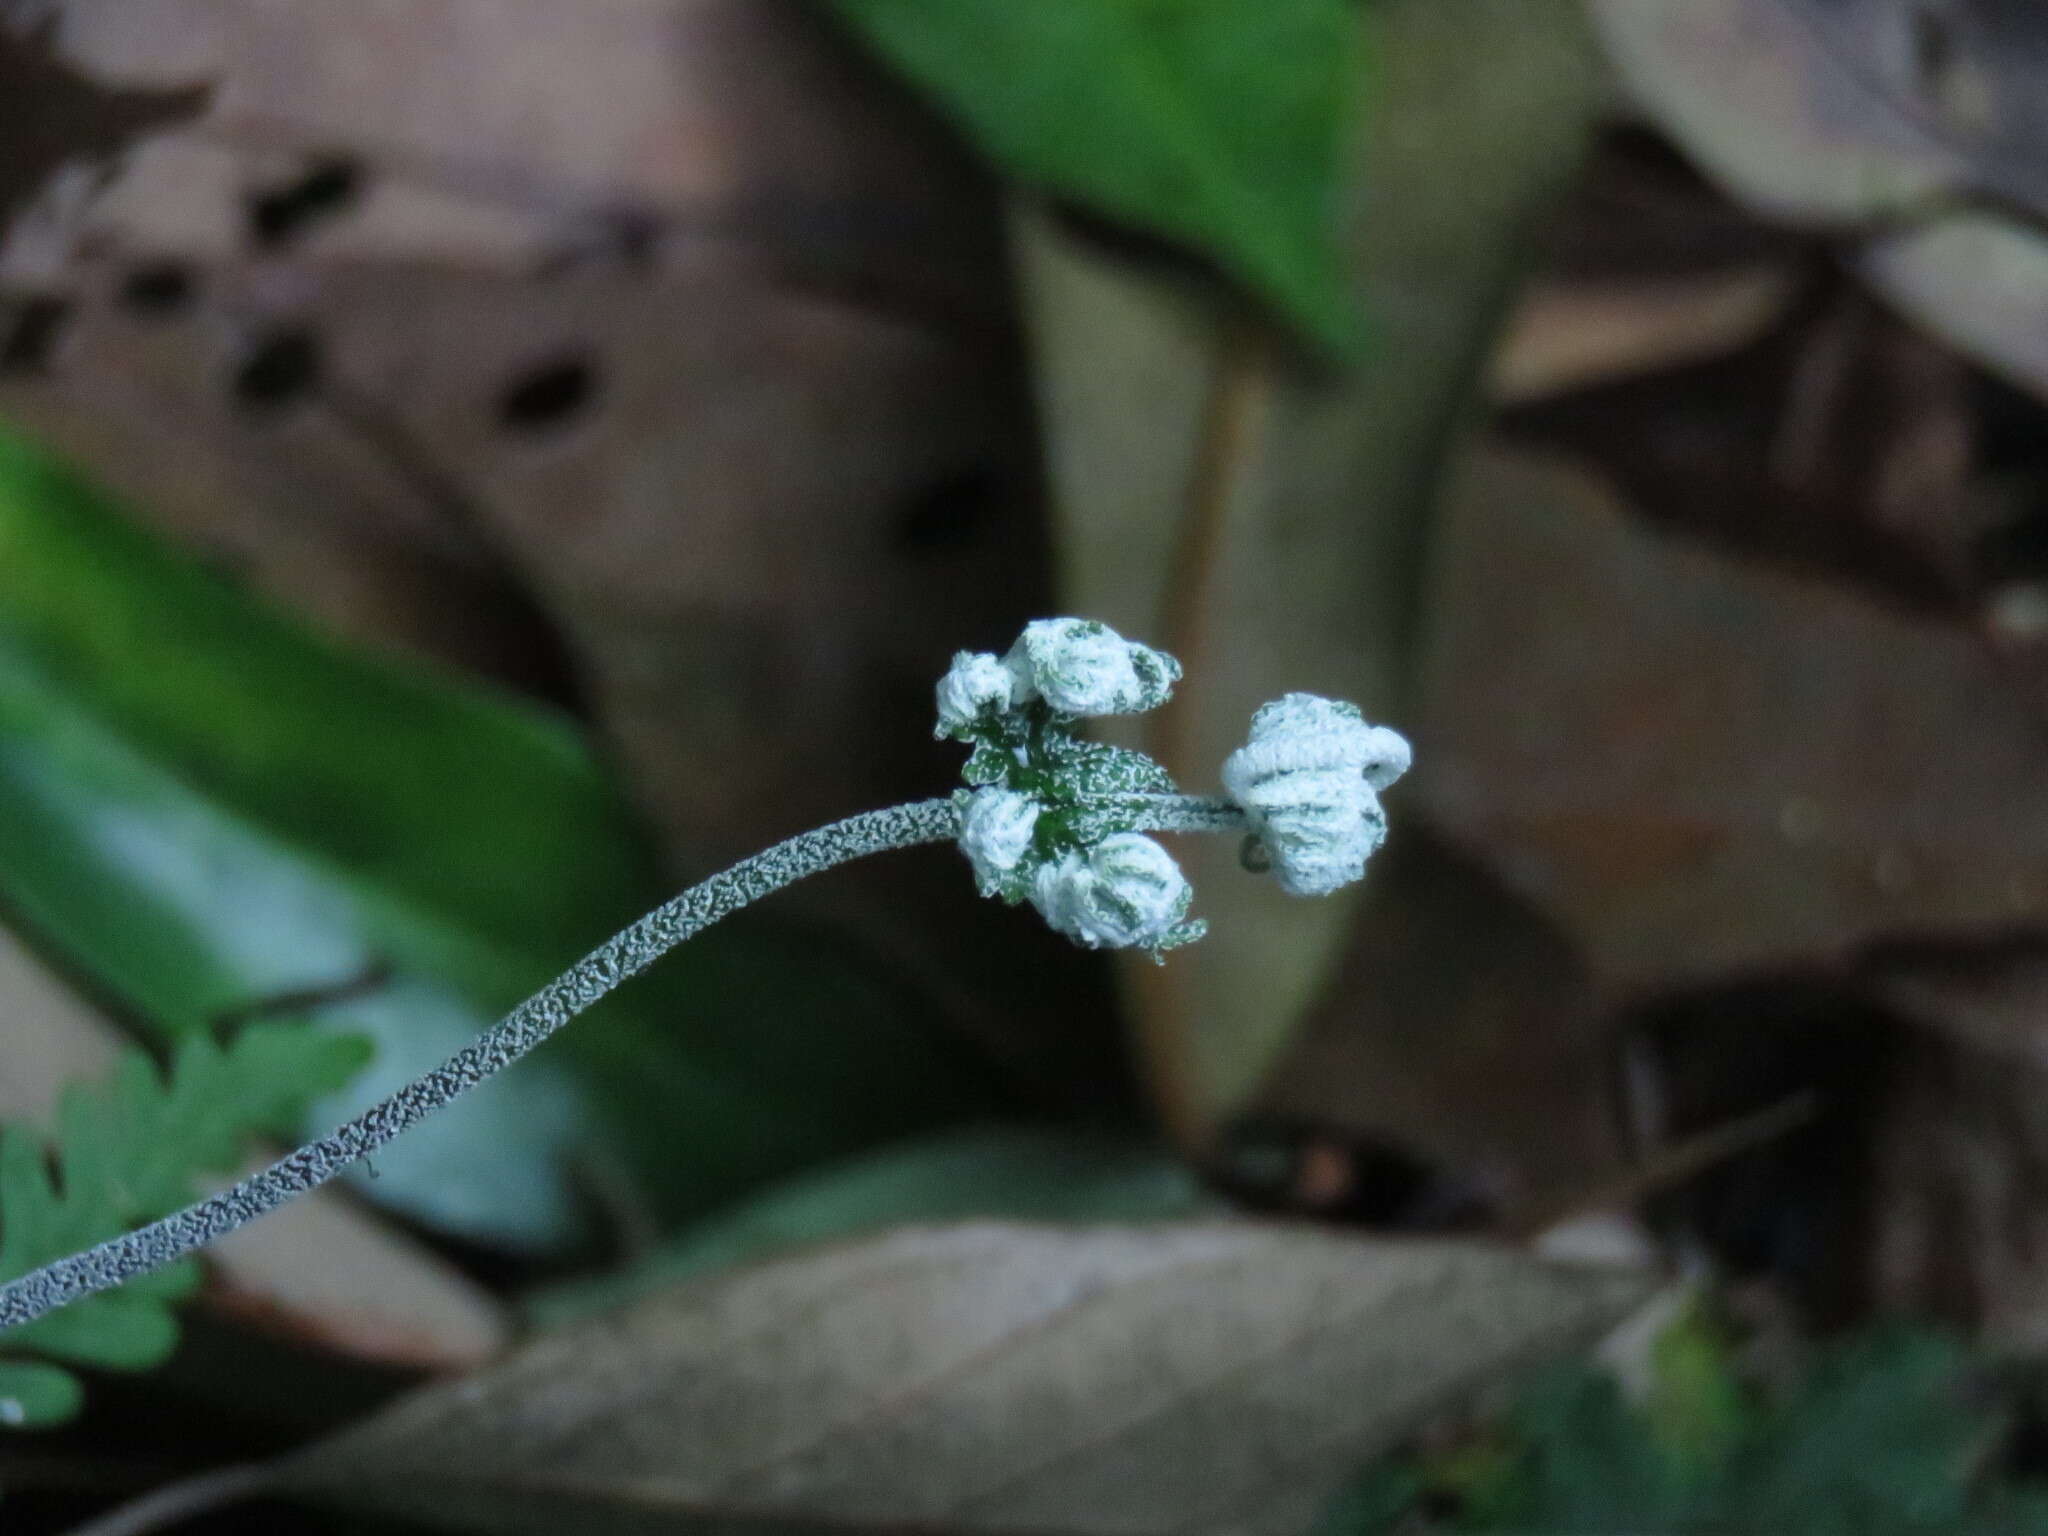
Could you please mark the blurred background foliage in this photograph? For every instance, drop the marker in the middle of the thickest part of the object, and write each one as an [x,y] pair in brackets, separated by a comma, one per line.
[468,468]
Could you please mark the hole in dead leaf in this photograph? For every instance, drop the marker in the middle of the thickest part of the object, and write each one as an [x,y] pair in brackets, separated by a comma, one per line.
[949,514]
[279,369]
[279,214]
[1933,49]
[158,289]
[549,396]
[32,330]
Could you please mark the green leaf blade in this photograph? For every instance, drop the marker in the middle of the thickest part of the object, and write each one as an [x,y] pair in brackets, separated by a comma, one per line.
[1216,122]
[103,611]
[256,811]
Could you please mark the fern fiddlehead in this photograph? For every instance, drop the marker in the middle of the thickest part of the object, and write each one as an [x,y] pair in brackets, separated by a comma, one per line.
[1049,818]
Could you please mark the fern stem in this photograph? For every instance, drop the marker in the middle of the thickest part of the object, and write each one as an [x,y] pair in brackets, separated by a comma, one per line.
[624,955]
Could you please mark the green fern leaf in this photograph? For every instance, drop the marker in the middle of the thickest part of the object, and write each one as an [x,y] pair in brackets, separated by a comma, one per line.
[126,1150]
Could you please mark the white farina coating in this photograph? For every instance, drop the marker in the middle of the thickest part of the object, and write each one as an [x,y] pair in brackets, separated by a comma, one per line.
[976,685]
[1080,667]
[995,834]
[1308,782]
[1124,893]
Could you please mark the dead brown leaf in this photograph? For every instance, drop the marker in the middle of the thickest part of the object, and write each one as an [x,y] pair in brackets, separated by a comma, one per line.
[1845,109]
[650,356]
[1920,121]
[1565,336]
[1844,442]
[1979,278]
[1700,767]
[984,1377]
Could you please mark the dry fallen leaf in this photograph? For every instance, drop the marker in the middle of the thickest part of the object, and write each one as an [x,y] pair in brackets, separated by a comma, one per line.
[1564,336]
[1845,109]
[1873,114]
[1979,278]
[1639,747]
[1212,1378]
[1644,267]
[1845,442]
[1697,766]
[667,335]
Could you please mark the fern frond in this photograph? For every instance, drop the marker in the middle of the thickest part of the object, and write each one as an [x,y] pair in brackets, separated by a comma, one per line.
[125,1150]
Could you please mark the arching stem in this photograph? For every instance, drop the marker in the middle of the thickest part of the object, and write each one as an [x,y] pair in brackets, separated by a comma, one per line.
[624,955]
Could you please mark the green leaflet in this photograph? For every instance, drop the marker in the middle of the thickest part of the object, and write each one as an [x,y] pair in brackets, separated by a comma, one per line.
[127,1150]
[1217,122]
[204,805]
